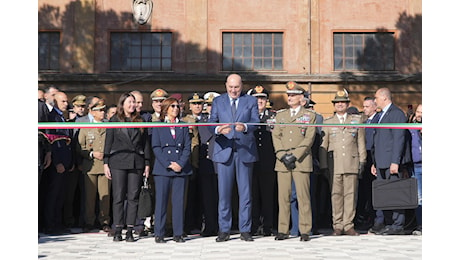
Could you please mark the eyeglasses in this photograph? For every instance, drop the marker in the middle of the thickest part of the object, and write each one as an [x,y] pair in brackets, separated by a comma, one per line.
[174,106]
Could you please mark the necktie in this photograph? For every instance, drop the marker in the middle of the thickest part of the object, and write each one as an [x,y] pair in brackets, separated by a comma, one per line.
[233,107]
[293,113]
[341,119]
[368,121]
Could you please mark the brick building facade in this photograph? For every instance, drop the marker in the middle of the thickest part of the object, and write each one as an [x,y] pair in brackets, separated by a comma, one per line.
[96,47]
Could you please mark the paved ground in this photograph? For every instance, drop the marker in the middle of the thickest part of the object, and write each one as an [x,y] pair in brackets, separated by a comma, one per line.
[99,246]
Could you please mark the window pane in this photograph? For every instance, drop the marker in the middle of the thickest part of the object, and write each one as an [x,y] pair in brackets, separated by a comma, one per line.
[247,39]
[278,52]
[348,39]
[278,40]
[268,39]
[156,51]
[156,64]
[267,64]
[166,52]
[268,51]
[278,64]
[227,64]
[48,50]
[167,39]
[257,51]
[247,49]
[146,64]
[257,64]
[238,39]
[238,51]
[146,51]
[338,63]
[135,51]
[257,38]
[227,39]
[166,64]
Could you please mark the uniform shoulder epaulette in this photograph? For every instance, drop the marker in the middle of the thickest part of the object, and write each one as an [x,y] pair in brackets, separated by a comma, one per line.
[281,110]
[313,111]
[329,118]
[356,118]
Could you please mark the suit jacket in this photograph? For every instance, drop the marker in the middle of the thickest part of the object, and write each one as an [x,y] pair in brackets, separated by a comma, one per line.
[264,143]
[243,142]
[61,151]
[390,144]
[91,140]
[207,141]
[348,146]
[168,149]
[125,151]
[297,140]
[194,135]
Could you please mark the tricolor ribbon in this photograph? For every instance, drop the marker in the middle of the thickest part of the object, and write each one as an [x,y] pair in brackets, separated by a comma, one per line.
[47,125]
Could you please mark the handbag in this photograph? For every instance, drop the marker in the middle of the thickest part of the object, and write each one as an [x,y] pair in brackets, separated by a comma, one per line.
[145,207]
[395,194]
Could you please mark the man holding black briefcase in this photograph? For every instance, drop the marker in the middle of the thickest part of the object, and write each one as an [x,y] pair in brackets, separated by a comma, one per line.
[388,154]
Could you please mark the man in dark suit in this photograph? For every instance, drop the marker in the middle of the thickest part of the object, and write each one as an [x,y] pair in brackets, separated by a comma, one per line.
[62,163]
[207,173]
[234,152]
[264,175]
[388,153]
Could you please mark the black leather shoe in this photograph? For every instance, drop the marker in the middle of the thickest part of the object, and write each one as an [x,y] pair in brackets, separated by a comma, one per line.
[129,236]
[117,236]
[178,239]
[304,237]
[376,228]
[160,240]
[391,231]
[246,236]
[281,236]
[223,236]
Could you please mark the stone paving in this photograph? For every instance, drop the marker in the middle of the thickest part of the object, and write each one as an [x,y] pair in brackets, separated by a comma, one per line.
[100,246]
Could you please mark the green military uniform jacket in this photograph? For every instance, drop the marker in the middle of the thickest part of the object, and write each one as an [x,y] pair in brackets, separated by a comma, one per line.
[91,140]
[193,131]
[294,139]
[343,148]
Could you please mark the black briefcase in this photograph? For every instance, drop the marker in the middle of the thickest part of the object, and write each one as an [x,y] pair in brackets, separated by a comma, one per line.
[394,194]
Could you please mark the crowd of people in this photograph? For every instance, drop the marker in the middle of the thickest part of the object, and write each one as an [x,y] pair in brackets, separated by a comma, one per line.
[231,165]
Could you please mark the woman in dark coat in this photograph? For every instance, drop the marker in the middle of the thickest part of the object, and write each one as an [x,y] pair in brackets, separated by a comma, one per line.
[126,160]
[171,147]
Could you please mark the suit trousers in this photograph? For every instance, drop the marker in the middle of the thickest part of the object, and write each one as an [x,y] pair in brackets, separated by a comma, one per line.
[97,184]
[393,218]
[126,184]
[71,185]
[209,196]
[302,184]
[343,200]
[54,198]
[165,187]
[227,173]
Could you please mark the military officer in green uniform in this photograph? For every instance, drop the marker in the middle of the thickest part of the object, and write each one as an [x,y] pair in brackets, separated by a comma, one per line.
[342,156]
[292,144]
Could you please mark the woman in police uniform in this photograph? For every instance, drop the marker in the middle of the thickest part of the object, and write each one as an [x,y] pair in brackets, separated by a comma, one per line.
[171,146]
